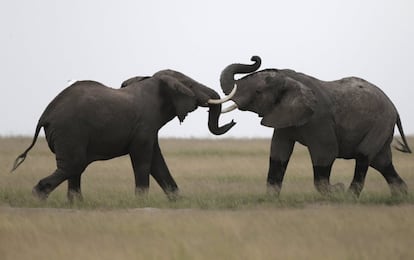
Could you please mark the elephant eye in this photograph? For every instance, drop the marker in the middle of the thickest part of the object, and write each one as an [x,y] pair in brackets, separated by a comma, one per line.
[258,91]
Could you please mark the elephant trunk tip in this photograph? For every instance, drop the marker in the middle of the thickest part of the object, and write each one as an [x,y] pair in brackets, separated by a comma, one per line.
[256,59]
[223,129]
[227,75]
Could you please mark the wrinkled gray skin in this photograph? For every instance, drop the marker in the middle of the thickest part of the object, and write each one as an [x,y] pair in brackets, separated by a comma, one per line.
[88,121]
[348,118]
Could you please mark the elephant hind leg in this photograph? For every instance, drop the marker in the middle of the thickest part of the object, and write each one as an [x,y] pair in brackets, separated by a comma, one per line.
[395,182]
[74,188]
[375,141]
[46,185]
[361,168]
[71,162]
[383,163]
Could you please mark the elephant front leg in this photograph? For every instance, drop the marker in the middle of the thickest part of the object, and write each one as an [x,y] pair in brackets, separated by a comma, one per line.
[160,172]
[275,176]
[141,157]
[321,176]
[280,152]
[141,174]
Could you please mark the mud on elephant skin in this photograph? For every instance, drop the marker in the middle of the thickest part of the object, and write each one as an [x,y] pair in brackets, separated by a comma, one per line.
[88,122]
[348,118]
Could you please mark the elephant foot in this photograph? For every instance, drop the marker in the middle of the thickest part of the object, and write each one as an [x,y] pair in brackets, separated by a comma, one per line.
[355,189]
[141,191]
[327,189]
[273,189]
[399,189]
[74,196]
[173,195]
[38,194]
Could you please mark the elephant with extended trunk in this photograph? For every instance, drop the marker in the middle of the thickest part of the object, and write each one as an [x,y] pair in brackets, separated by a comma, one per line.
[88,122]
[348,118]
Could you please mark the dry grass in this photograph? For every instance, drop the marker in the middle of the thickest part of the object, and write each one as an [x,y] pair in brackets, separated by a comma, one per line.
[224,212]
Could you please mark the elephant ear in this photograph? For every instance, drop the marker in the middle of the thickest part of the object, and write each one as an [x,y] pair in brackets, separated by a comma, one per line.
[294,106]
[133,80]
[182,98]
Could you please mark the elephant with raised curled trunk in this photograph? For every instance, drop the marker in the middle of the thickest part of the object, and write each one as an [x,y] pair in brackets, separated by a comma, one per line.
[88,122]
[348,118]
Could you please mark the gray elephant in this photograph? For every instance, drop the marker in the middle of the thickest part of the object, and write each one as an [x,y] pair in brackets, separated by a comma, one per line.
[348,118]
[88,122]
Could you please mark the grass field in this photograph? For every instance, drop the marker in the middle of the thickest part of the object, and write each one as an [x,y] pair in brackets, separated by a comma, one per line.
[223,212]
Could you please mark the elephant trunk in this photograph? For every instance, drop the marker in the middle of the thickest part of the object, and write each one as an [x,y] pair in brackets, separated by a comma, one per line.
[227,76]
[214,113]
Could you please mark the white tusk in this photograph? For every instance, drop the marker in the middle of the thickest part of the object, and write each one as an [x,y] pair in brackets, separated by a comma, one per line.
[230,108]
[225,99]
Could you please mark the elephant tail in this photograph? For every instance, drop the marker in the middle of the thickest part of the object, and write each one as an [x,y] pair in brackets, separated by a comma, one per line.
[403,146]
[20,159]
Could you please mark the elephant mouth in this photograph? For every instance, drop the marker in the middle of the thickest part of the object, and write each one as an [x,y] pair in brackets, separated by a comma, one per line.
[236,105]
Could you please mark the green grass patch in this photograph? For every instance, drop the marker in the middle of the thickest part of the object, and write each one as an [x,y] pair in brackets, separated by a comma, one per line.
[223,211]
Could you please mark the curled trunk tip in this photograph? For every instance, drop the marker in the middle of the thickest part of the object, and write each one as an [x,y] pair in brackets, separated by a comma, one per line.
[257,60]
[227,76]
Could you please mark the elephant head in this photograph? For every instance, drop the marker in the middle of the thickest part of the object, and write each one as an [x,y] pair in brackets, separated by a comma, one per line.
[280,100]
[186,95]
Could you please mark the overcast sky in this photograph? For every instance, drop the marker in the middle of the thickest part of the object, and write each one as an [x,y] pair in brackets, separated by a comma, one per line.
[45,43]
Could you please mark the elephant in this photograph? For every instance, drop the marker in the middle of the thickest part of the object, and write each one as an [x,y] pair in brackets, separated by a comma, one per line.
[348,118]
[89,121]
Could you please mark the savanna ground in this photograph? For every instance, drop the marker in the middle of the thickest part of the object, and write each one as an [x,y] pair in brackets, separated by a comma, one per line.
[223,213]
